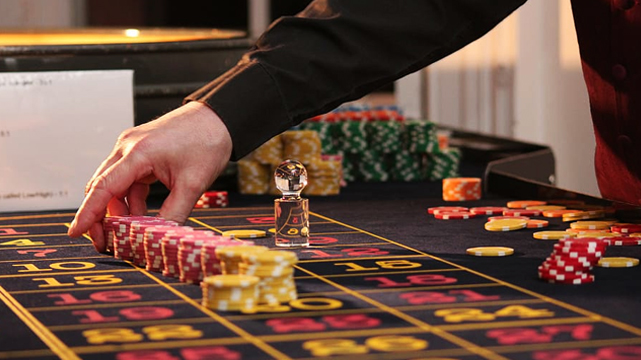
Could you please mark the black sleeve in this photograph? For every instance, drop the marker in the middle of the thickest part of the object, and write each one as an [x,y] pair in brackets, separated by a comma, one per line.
[337,51]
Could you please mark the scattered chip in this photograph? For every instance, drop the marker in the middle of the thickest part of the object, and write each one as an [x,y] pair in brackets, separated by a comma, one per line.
[557,213]
[490,251]
[546,207]
[244,234]
[626,228]
[618,262]
[522,204]
[590,225]
[446,215]
[521,212]
[552,235]
[537,224]
[506,225]
[487,210]
[623,241]
[438,209]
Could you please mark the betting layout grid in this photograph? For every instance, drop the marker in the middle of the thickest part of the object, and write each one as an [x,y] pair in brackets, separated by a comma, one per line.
[359,293]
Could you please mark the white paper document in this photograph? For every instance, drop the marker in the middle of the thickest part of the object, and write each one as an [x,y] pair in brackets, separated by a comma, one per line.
[55,130]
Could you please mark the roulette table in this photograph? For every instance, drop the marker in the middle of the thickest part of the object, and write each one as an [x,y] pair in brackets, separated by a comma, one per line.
[381,279]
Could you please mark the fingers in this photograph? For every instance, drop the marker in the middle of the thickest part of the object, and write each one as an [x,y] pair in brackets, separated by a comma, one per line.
[98,237]
[115,181]
[179,203]
[137,198]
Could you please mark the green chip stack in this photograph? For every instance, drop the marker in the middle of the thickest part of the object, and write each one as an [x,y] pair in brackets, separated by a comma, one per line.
[443,164]
[379,144]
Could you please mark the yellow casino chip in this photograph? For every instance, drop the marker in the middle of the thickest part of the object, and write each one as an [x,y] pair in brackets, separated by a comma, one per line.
[553,235]
[591,225]
[244,234]
[546,207]
[231,281]
[506,225]
[490,251]
[618,262]
[271,257]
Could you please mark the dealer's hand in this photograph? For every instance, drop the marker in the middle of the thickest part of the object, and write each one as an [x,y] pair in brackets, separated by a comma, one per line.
[185,149]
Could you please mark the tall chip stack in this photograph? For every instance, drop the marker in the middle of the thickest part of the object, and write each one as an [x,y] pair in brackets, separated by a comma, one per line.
[379,144]
[255,171]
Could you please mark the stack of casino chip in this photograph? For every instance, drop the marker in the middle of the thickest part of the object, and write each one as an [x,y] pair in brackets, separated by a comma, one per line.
[572,260]
[383,136]
[271,152]
[406,166]
[230,257]
[209,262]
[137,237]
[302,145]
[152,244]
[230,292]
[276,273]
[324,177]
[253,177]
[337,159]
[420,136]
[212,199]
[379,144]
[324,130]
[442,164]
[120,226]
[462,189]
[189,255]
[371,168]
[352,137]
[255,171]
[108,231]
[169,248]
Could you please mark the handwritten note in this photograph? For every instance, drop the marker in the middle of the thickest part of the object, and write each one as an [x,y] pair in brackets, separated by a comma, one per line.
[55,130]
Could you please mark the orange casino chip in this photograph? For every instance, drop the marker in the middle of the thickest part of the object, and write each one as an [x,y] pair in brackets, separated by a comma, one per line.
[557,213]
[461,189]
[537,224]
[522,204]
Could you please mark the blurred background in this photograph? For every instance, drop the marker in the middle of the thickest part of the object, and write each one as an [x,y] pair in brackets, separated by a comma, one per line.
[523,80]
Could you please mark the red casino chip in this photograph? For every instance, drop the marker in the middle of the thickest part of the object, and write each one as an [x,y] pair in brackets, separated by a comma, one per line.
[153,247]
[567,261]
[563,279]
[137,236]
[521,212]
[212,199]
[459,215]
[551,265]
[548,271]
[586,241]
[626,228]
[121,230]
[439,209]
[623,241]
[487,210]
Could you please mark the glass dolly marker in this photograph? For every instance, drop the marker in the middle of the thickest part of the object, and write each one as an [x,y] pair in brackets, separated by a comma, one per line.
[291,211]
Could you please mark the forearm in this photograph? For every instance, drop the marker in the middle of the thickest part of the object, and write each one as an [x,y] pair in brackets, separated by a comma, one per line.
[337,51]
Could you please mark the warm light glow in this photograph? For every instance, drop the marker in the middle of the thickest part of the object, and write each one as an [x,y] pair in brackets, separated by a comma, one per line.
[132,33]
[90,36]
